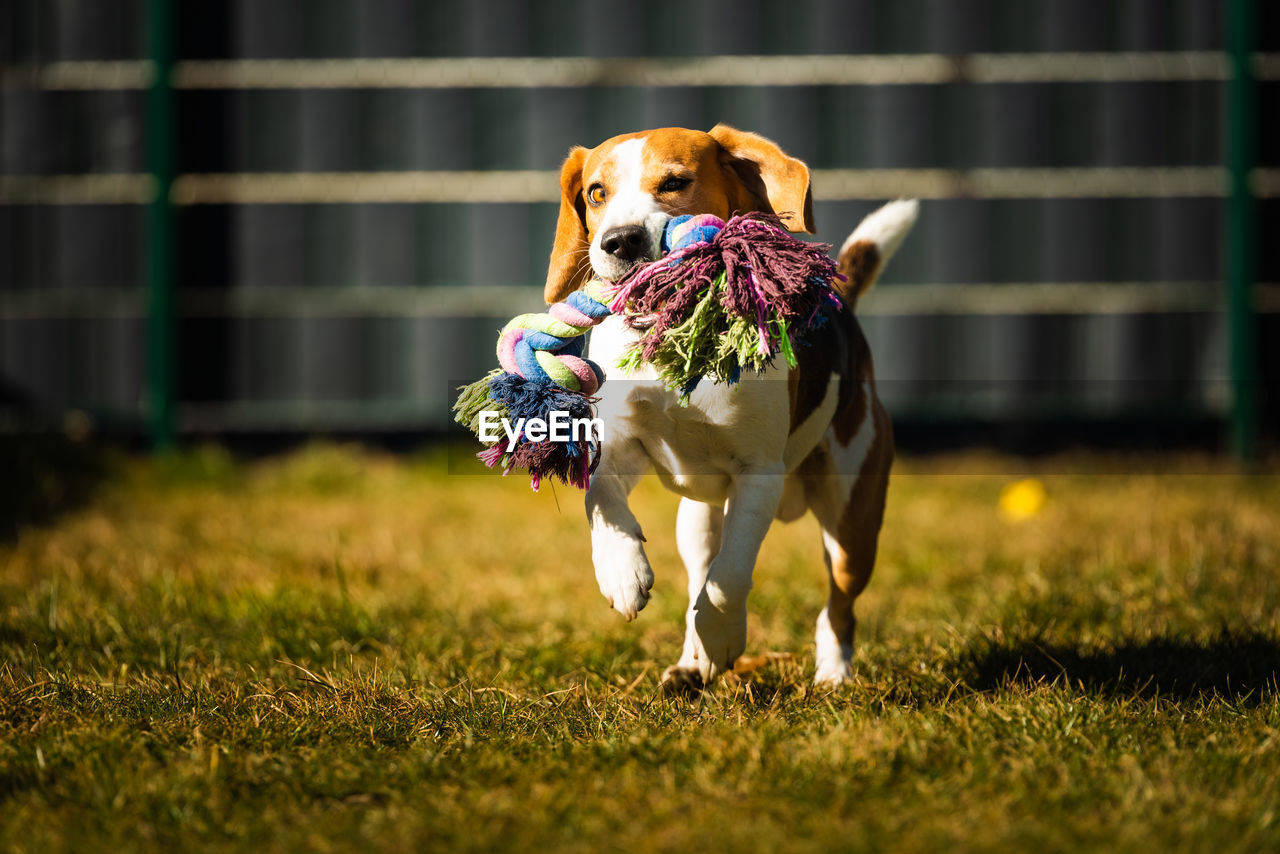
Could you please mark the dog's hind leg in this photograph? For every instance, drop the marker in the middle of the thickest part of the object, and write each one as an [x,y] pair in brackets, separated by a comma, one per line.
[698,532]
[848,573]
[849,503]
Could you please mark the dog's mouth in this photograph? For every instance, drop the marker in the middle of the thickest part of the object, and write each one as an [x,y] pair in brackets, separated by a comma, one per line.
[613,268]
[631,266]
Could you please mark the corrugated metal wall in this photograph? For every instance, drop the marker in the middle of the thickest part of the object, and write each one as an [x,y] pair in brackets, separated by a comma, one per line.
[362,314]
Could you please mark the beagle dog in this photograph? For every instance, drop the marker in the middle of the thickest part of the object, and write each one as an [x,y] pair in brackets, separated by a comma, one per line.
[812,438]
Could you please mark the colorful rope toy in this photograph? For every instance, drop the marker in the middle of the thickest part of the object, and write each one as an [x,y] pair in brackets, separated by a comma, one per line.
[542,372]
[724,297]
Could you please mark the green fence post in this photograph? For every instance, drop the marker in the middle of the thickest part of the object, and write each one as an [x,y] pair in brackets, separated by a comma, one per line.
[161,253]
[1241,243]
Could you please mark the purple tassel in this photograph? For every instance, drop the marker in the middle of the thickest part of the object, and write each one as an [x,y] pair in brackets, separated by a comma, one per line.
[767,272]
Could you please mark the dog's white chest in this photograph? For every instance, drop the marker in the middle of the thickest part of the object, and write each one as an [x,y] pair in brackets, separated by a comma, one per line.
[699,447]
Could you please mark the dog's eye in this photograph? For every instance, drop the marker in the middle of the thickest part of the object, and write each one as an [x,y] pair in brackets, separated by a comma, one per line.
[596,195]
[674,184]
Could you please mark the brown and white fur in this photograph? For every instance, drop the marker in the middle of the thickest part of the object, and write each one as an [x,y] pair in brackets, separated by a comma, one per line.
[811,438]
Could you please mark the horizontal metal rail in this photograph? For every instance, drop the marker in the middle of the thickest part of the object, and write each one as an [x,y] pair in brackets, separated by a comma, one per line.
[573,72]
[528,186]
[568,72]
[501,301]
[368,187]
[113,75]
[116,188]
[1088,182]
[279,301]
[1091,298]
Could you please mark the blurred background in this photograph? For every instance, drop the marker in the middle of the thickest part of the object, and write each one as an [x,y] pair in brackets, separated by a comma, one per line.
[299,217]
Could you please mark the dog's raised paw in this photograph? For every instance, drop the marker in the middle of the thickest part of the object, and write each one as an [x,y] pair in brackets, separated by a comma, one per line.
[625,579]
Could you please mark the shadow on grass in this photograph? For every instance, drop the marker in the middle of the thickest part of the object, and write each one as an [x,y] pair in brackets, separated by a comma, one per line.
[1240,666]
[44,476]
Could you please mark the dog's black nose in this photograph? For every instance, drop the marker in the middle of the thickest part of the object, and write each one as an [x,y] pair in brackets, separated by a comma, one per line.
[626,242]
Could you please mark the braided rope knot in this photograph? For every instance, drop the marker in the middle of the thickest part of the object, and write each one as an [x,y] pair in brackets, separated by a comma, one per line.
[543,374]
[547,346]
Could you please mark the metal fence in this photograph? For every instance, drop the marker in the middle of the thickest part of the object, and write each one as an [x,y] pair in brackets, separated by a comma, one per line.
[301,216]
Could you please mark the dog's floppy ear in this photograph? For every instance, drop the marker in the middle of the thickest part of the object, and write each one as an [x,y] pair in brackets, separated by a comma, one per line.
[569,267]
[770,180]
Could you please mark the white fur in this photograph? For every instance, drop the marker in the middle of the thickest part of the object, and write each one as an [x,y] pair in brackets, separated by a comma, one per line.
[627,204]
[832,658]
[699,530]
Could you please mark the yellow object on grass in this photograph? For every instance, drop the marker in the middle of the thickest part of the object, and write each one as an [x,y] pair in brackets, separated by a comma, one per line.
[1022,499]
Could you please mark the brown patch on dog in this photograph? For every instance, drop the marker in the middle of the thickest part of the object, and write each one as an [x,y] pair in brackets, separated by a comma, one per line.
[864,512]
[849,418]
[859,263]
[825,350]
[853,410]
[769,179]
[566,271]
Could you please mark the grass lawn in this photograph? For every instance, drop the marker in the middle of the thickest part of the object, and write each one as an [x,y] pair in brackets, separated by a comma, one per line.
[335,649]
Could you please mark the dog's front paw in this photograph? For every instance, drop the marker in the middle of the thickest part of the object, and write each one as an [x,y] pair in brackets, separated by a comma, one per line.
[720,636]
[624,576]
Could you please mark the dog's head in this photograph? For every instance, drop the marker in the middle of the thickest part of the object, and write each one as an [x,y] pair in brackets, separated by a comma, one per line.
[616,198]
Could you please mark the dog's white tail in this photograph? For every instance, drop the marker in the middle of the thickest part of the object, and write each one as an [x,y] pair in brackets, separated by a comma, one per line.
[871,245]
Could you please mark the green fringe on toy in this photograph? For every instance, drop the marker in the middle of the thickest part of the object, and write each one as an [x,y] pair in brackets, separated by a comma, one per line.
[709,343]
[474,399]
